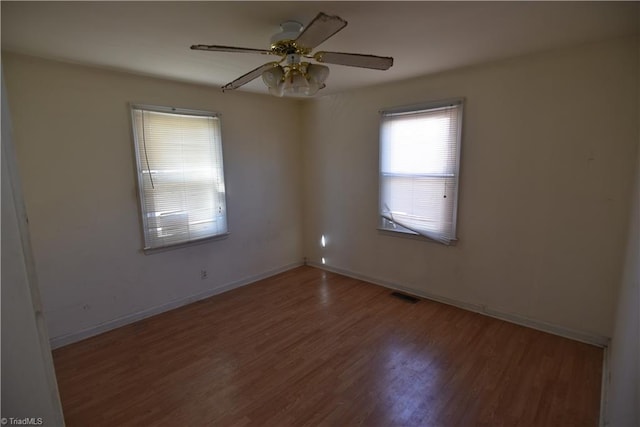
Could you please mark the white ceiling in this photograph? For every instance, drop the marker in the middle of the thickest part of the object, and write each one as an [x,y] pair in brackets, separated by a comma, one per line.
[153,38]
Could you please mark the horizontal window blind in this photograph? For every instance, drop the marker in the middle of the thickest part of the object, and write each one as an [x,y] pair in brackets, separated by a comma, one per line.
[419,163]
[180,176]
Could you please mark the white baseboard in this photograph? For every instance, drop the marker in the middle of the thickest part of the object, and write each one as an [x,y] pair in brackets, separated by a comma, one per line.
[584,337]
[66,339]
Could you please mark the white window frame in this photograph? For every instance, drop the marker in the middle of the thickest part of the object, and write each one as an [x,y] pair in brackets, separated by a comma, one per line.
[152,245]
[387,222]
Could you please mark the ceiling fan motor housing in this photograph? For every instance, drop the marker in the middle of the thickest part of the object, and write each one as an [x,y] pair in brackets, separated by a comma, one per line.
[284,42]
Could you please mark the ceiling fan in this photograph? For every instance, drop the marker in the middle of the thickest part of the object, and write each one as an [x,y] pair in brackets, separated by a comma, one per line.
[291,75]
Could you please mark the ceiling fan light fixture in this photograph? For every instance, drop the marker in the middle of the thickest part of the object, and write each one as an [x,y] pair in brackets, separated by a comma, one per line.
[316,76]
[273,76]
[312,89]
[277,91]
[295,83]
[317,72]
[302,79]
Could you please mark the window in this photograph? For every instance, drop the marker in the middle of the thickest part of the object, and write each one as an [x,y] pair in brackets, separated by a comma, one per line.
[419,163]
[180,175]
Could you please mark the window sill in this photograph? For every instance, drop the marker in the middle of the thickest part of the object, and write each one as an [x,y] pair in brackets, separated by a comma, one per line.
[412,236]
[150,251]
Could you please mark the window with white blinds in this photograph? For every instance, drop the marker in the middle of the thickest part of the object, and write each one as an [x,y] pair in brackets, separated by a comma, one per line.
[419,165]
[180,175]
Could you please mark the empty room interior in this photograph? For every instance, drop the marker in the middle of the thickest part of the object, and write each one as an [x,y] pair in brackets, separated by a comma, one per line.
[320,213]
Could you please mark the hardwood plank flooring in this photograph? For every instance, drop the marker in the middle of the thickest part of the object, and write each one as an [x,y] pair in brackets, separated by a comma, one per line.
[309,347]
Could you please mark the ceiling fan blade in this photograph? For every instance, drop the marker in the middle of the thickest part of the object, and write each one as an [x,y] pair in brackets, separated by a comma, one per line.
[355,60]
[321,28]
[251,75]
[215,48]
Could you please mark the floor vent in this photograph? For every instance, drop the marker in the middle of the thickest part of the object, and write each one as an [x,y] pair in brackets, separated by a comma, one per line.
[405,297]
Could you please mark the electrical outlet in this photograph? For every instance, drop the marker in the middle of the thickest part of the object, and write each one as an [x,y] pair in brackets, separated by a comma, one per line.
[203,274]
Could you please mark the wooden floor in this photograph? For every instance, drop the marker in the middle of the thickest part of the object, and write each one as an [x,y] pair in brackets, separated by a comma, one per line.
[308,347]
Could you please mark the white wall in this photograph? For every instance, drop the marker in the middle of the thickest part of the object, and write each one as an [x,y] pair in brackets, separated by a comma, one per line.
[624,352]
[74,148]
[29,386]
[547,158]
